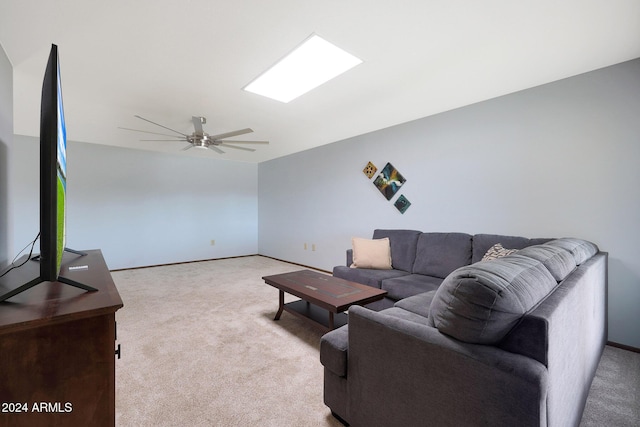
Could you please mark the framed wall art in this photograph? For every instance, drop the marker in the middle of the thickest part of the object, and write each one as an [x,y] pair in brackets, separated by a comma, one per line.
[389,181]
[402,204]
[369,170]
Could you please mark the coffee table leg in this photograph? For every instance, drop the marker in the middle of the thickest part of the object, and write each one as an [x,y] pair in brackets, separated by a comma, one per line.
[280,306]
[331,320]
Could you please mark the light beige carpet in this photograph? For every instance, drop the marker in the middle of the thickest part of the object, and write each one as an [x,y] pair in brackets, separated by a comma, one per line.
[200,348]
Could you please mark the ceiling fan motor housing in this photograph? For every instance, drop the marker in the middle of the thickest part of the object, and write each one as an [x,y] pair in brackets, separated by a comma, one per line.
[201,140]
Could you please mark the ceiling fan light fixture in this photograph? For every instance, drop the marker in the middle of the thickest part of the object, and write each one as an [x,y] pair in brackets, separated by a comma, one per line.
[311,64]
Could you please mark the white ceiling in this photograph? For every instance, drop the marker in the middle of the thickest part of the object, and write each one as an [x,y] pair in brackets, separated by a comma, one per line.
[167,60]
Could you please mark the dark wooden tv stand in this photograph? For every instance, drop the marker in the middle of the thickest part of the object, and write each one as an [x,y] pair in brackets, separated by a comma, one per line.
[57,343]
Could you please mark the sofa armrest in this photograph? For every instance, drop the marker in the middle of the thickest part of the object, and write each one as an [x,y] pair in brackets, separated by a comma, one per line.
[404,373]
[349,257]
[333,350]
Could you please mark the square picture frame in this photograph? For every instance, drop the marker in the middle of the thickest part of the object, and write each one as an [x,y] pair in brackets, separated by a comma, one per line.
[402,204]
[370,170]
[389,181]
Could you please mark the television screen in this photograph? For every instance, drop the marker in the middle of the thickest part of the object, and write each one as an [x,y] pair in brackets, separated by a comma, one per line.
[61,178]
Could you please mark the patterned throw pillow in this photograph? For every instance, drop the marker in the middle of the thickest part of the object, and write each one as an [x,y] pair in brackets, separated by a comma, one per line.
[497,251]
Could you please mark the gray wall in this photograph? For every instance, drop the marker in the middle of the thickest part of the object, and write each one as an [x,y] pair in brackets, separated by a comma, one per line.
[143,208]
[6,137]
[556,160]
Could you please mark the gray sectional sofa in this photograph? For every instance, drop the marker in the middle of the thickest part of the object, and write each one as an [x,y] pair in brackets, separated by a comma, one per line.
[511,341]
[421,261]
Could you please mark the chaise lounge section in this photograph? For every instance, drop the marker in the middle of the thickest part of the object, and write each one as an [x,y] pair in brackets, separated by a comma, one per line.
[510,341]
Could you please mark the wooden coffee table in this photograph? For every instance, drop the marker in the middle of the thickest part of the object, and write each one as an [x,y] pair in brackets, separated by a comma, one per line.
[321,293]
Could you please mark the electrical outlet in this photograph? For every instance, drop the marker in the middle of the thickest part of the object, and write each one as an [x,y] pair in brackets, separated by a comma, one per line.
[313,247]
[305,246]
[213,242]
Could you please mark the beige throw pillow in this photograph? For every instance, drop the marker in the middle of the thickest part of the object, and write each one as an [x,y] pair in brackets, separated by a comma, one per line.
[371,253]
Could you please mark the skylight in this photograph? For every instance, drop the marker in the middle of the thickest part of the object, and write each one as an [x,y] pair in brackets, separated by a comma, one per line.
[311,64]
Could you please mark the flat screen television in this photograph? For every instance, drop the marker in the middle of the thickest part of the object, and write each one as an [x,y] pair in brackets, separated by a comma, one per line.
[53,171]
[53,183]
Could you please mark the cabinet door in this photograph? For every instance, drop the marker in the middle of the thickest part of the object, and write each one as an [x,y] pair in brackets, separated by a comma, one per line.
[59,375]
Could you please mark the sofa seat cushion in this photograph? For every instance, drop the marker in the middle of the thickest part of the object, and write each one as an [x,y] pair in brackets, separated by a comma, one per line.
[405,286]
[366,276]
[403,246]
[438,254]
[482,243]
[403,314]
[418,304]
[480,303]
[381,304]
[333,350]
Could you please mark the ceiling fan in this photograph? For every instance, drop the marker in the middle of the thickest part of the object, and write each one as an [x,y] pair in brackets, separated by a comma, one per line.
[199,138]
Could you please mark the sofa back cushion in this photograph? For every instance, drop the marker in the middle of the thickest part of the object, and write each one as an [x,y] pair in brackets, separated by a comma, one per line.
[482,243]
[557,260]
[480,303]
[438,254]
[581,250]
[403,246]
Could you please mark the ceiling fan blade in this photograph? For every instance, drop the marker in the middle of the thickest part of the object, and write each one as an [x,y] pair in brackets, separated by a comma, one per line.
[187,147]
[245,142]
[216,149]
[230,134]
[171,140]
[197,124]
[144,131]
[237,148]
[157,124]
